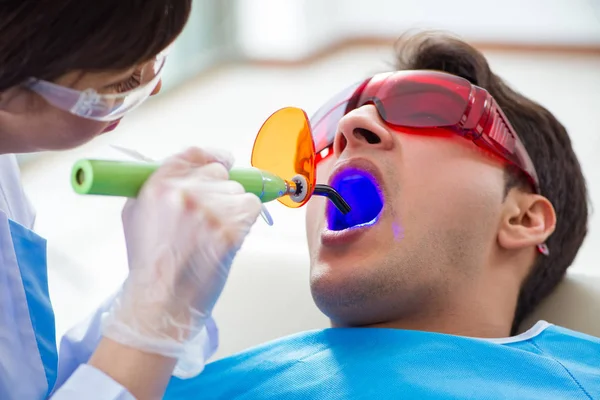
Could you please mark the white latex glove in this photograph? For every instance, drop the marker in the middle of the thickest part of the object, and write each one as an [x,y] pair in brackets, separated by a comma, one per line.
[182,233]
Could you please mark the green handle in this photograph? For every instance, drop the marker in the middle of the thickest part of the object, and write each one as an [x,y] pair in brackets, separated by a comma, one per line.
[125,179]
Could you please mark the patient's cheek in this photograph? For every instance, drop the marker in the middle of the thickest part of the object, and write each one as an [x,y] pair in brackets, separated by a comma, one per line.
[315,212]
[315,208]
[324,169]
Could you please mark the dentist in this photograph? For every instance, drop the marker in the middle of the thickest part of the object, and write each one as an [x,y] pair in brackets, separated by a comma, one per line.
[69,72]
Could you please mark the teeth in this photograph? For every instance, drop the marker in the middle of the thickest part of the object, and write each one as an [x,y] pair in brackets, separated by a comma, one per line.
[352,178]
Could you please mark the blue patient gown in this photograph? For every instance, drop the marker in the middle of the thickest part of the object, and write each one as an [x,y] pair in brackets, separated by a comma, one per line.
[31,368]
[546,363]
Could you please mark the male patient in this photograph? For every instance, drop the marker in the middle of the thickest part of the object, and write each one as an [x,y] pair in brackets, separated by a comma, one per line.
[458,231]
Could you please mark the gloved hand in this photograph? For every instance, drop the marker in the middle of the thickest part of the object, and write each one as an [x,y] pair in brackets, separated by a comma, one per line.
[182,233]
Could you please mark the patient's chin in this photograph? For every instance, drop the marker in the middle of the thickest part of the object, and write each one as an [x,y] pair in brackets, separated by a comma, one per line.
[348,299]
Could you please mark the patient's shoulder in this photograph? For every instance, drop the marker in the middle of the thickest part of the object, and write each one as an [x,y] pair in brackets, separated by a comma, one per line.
[555,336]
[545,335]
[576,352]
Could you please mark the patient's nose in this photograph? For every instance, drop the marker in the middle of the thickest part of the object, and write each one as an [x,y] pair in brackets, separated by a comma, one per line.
[361,128]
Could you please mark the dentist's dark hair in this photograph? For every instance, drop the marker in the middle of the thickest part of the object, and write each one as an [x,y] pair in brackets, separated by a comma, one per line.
[547,142]
[46,39]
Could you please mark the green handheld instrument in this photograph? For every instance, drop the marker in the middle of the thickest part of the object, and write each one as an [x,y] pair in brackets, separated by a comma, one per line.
[283,147]
[126,178]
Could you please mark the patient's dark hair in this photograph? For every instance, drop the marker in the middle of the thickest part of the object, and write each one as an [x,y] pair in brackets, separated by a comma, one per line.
[46,39]
[546,141]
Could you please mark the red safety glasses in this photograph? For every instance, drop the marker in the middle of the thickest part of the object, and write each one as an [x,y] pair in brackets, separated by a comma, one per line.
[429,99]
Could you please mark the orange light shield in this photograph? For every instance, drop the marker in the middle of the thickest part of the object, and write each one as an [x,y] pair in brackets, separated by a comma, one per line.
[284,146]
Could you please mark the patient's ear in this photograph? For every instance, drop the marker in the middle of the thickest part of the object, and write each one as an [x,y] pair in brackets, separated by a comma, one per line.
[527,220]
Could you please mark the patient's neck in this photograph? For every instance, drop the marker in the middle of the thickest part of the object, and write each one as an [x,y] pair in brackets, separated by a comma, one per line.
[483,311]
[452,325]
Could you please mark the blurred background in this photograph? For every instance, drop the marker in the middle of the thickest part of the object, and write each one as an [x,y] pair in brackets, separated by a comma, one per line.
[240,60]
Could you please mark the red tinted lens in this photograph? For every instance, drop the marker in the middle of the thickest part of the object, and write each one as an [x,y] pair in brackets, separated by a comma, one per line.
[324,131]
[418,99]
[324,122]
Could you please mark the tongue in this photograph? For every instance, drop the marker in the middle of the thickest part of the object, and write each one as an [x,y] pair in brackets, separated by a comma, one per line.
[361,194]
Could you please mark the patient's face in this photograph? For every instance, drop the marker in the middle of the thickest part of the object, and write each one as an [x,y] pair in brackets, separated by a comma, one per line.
[441,200]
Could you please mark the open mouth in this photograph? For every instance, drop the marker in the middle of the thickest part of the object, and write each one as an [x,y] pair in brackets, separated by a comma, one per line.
[361,192]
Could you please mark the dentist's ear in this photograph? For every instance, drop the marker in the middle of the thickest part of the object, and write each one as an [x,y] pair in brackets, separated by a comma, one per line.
[527,220]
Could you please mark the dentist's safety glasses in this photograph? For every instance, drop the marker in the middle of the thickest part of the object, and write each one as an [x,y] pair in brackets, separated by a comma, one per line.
[420,100]
[107,107]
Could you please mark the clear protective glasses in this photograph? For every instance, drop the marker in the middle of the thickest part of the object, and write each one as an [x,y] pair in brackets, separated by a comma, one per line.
[90,104]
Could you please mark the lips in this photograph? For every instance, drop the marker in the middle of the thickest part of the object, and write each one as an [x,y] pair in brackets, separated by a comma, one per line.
[356,182]
[112,126]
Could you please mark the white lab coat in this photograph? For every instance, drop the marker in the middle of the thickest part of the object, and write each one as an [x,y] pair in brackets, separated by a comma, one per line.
[30,367]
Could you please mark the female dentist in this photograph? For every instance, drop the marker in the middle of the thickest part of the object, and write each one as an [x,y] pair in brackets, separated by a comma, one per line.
[69,71]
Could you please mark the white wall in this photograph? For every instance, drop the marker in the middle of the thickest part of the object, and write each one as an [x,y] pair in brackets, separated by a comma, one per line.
[226,109]
[292,29]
